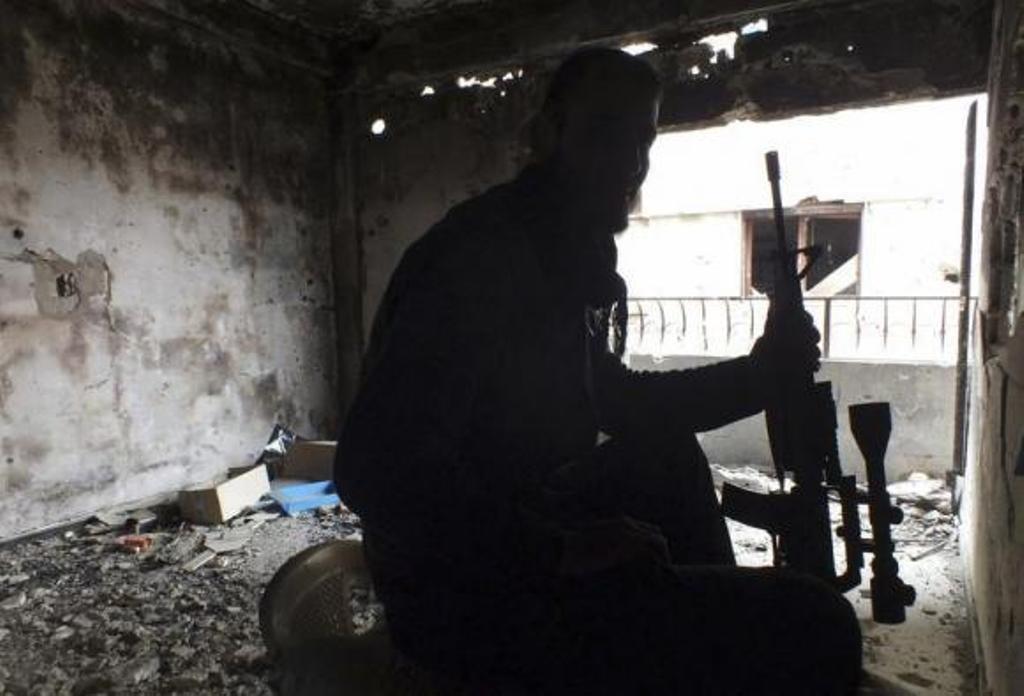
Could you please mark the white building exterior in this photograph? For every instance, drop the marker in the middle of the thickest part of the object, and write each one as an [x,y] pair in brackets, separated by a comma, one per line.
[904,164]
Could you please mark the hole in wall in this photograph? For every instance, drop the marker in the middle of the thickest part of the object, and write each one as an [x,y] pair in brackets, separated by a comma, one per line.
[18,233]
[67,285]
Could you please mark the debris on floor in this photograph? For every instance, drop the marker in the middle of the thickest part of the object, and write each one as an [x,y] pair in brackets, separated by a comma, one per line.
[931,653]
[178,613]
[146,602]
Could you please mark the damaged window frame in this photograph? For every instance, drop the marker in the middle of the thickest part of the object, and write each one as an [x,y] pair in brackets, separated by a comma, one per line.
[804,215]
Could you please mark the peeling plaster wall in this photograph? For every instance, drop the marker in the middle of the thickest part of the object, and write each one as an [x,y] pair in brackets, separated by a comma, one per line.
[993,507]
[165,265]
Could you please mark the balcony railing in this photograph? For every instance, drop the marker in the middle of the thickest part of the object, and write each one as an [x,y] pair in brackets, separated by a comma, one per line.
[882,329]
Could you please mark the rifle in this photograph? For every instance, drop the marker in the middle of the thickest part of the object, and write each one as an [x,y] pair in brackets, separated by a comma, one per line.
[802,428]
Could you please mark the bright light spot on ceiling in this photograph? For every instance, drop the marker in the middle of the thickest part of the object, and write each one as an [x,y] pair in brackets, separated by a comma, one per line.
[758,27]
[508,77]
[850,48]
[378,127]
[695,70]
[722,42]
[428,91]
[474,81]
[636,49]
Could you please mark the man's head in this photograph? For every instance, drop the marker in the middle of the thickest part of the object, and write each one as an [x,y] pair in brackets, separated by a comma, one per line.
[598,123]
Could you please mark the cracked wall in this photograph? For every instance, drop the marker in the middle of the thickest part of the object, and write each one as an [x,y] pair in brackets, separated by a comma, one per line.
[165,257]
[993,506]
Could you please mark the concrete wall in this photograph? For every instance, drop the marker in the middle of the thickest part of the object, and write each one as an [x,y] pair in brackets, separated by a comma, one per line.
[177,188]
[922,437]
[993,505]
[436,151]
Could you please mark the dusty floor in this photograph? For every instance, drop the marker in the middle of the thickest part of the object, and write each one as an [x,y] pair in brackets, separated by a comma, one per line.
[80,615]
[83,616]
[931,653]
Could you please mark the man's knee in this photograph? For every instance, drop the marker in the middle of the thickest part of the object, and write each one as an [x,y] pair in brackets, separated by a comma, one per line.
[825,627]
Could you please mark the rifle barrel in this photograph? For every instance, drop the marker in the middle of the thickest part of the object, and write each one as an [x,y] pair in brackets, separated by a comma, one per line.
[771,160]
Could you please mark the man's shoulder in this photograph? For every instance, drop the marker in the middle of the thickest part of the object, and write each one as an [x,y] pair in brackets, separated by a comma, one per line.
[486,230]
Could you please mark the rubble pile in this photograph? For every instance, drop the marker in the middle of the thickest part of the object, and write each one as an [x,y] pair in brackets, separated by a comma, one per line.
[140,606]
[928,522]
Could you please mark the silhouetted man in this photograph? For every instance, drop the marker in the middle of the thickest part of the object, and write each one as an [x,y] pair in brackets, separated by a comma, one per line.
[504,541]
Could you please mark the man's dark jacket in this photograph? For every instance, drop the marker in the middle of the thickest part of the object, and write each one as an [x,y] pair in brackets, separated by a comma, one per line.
[488,368]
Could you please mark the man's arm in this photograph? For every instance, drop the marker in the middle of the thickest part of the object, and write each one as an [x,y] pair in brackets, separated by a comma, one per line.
[695,400]
[704,398]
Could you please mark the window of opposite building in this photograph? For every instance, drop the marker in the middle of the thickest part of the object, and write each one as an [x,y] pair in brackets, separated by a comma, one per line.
[835,229]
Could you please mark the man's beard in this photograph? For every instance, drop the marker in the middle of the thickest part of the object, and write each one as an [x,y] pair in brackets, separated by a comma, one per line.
[609,214]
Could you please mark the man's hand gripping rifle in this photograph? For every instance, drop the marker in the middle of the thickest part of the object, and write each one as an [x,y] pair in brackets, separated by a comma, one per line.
[801,419]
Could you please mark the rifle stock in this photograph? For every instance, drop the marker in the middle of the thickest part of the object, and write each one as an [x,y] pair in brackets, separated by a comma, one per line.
[802,425]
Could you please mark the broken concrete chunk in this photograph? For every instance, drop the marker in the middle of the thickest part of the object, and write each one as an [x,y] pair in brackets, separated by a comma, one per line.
[180,548]
[140,670]
[112,518]
[228,540]
[15,601]
[199,561]
[249,655]
[916,487]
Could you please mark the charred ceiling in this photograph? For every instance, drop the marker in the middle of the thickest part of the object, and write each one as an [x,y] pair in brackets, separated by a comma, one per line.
[822,59]
[808,55]
[803,59]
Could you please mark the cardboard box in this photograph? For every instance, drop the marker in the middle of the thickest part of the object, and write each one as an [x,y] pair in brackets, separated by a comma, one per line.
[308,460]
[216,504]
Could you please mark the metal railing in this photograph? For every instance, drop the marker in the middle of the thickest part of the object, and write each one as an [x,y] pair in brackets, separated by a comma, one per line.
[882,329]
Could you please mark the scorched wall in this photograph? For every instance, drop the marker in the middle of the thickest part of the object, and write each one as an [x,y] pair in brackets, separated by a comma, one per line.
[165,277]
